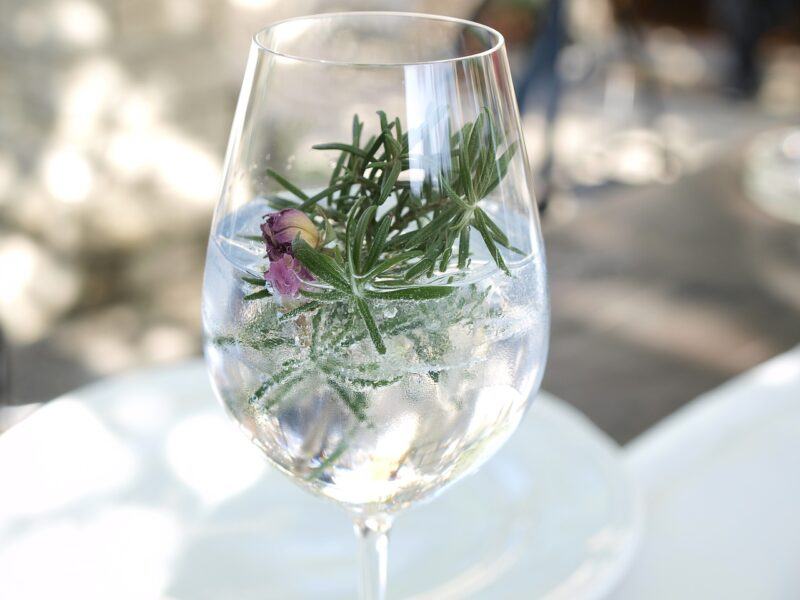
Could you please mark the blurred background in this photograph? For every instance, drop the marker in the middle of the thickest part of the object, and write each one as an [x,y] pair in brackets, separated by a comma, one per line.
[661,132]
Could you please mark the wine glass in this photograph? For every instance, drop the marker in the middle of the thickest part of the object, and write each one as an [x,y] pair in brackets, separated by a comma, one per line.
[375,306]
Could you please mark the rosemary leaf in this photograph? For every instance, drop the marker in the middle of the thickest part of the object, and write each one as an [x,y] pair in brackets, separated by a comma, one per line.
[265,293]
[390,263]
[475,138]
[453,196]
[359,236]
[337,170]
[445,258]
[378,241]
[287,369]
[303,308]
[281,391]
[432,229]
[326,295]
[279,203]
[321,265]
[343,147]
[423,292]
[253,281]
[389,182]
[418,269]
[501,168]
[372,327]
[463,248]
[490,245]
[373,383]
[358,127]
[288,185]
[267,343]
[321,195]
[496,232]
[354,400]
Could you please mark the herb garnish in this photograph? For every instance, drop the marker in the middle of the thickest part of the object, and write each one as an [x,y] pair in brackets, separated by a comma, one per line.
[383,233]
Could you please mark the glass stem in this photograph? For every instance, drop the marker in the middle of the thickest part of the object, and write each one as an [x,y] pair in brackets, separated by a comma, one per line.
[372,533]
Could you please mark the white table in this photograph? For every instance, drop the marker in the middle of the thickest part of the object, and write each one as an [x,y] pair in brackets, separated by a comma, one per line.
[139,488]
[721,482]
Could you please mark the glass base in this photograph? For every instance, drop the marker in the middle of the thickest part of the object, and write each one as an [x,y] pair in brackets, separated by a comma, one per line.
[552,515]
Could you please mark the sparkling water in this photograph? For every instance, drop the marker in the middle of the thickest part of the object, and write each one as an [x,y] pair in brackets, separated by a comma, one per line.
[373,432]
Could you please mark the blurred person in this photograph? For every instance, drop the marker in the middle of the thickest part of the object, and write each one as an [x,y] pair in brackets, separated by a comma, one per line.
[745,23]
[539,26]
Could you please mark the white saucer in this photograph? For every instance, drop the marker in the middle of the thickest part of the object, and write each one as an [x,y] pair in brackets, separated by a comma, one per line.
[139,487]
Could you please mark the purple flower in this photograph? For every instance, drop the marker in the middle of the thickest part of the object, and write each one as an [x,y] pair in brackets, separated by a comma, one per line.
[287,274]
[281,228]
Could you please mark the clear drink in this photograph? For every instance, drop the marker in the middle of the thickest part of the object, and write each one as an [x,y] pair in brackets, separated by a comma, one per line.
[369,430]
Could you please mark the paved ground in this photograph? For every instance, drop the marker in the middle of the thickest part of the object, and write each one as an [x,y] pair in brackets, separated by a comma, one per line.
[661,294]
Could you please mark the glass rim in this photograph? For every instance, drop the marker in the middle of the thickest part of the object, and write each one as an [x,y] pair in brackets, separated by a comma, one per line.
[498,39]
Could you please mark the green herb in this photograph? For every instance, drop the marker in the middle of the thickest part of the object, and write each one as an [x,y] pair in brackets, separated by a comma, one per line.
[383,238]
[328,461]
[332,330]
[387,234]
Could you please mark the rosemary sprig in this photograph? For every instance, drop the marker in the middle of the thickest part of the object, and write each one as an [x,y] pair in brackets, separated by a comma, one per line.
[382,233]
[332,331]
[351,283]
[442,208]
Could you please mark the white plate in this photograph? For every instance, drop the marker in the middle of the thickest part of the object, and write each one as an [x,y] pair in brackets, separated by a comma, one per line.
[721,482]
[139,487]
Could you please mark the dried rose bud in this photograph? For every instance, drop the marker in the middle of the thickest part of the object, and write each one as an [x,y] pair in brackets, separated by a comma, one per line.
[287,274]
[281,228]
